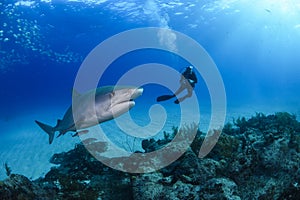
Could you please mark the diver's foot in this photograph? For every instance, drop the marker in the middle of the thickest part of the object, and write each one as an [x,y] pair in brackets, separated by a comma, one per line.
[179,100]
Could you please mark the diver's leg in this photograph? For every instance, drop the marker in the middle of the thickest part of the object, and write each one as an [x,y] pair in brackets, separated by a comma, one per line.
[189,94]
[181,99]
[190,90]
[180,89]
[167,97]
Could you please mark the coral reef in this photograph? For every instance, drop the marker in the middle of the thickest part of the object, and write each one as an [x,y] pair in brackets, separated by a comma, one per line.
[20,187]
[256,158]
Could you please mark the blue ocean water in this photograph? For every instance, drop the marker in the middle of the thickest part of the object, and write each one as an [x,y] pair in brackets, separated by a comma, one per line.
[43,43]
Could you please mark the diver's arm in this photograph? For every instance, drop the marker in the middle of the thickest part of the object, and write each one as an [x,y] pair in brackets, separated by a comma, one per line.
[194,77]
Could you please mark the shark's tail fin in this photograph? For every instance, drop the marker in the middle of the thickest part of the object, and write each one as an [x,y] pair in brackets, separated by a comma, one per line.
[48,129]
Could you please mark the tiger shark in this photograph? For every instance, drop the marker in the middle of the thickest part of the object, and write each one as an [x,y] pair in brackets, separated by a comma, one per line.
[92,108]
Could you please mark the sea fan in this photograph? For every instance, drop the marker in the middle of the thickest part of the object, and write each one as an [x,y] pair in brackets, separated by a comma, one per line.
[7,169]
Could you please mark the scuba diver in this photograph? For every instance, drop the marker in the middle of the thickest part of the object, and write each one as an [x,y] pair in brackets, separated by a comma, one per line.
[187,81]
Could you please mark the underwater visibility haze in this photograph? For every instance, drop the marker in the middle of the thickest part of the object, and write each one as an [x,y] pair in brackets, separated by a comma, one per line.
[254,46]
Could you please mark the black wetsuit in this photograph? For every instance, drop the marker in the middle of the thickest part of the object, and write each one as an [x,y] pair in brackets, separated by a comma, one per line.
[190,75]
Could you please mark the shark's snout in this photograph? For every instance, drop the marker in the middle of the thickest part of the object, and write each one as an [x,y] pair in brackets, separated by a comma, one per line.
[137,92]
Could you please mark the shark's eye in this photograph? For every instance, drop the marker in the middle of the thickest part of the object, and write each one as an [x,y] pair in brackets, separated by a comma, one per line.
[112,94]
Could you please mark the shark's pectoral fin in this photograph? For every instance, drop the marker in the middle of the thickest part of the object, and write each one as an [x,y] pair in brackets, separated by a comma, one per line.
[80,133]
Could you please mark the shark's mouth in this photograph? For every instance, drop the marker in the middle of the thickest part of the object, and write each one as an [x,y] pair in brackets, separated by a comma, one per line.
[126,104]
